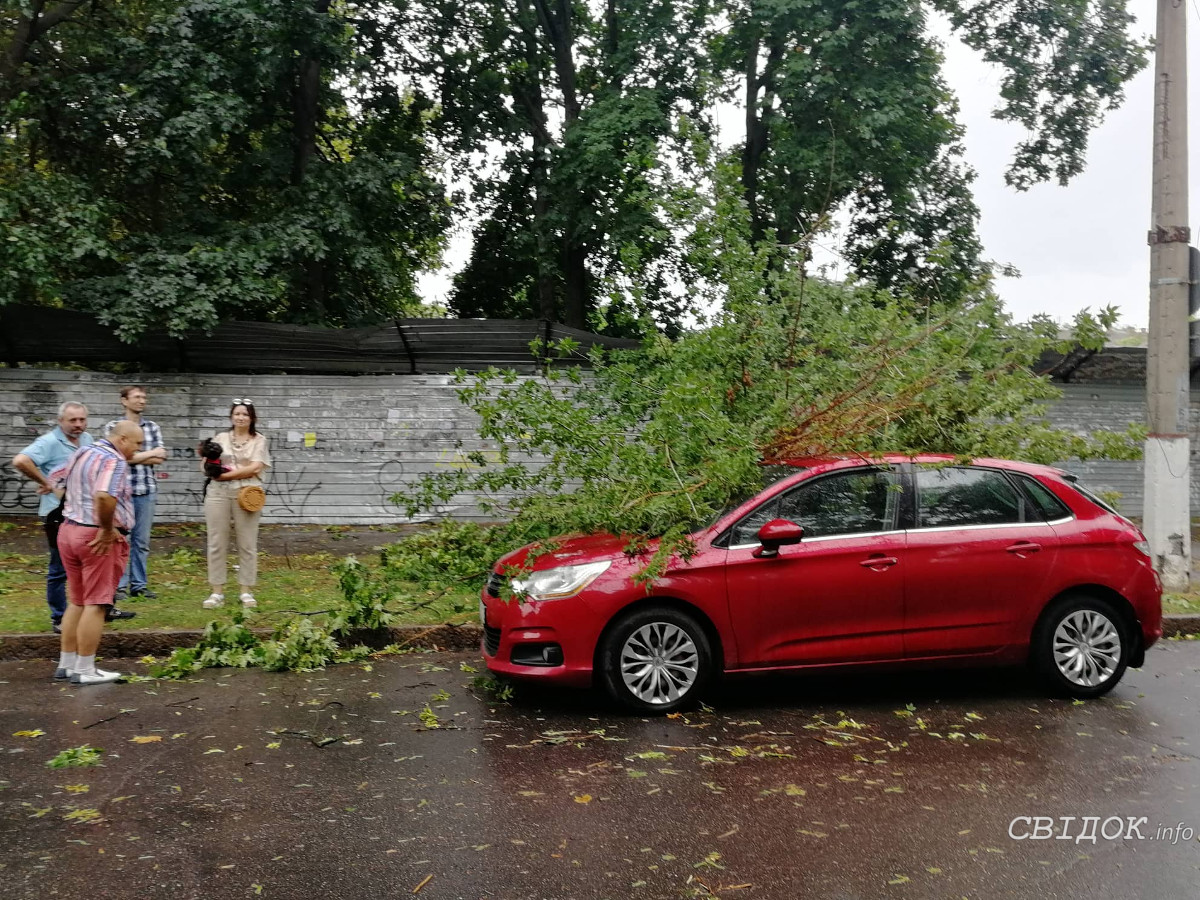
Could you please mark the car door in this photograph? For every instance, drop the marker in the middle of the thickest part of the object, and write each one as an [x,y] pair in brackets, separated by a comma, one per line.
[837,595]
[977,553]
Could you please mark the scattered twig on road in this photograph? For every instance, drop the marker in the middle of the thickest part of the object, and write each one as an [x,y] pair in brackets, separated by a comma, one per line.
[109,719]
[319,743]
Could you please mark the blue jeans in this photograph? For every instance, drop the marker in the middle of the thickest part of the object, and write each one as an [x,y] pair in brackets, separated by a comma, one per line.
[134,577]
[56,587]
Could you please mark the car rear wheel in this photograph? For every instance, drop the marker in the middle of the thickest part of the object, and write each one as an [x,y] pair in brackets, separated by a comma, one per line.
[1081,646]
[656,660]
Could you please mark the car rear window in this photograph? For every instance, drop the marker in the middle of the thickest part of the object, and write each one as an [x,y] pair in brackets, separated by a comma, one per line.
[1043,499]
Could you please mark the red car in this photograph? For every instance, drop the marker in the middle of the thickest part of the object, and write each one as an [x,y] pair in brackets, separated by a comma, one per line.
[845,562]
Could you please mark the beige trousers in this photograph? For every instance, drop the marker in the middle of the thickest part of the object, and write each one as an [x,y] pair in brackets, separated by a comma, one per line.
[220,509]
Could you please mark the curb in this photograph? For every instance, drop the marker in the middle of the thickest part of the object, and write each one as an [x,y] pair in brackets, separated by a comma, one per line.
[418,637]
[1178,626]
[127,644]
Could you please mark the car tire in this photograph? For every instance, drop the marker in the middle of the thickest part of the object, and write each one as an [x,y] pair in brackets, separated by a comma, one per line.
[1081,646]
[656,660]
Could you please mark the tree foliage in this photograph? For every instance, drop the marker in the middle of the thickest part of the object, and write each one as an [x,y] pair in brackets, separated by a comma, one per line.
[846,117]
[580,103]
[181,161]
[846,112]
[175,162]
[1065,63]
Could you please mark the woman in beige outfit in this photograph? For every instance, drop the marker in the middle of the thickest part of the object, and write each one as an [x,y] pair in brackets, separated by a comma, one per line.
[245,451]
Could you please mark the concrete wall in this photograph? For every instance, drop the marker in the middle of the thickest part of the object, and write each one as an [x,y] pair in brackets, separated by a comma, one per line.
[343,444]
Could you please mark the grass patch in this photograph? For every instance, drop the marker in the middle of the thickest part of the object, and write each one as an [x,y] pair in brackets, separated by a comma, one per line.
[295,583]
[1182,604]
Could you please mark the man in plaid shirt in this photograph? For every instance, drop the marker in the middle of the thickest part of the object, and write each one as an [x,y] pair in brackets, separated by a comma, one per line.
[144,489]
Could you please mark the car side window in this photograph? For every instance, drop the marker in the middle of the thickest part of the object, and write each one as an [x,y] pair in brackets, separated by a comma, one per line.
[951,497]
[1051,508]
[843,503]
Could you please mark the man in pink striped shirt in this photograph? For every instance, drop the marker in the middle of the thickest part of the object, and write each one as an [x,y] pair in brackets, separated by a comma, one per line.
[96,517]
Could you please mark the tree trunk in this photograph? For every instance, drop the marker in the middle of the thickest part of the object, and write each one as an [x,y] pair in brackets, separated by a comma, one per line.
[555,18]
[306,96]
[529,98]
[756,142]
[758,131]
[29,29]
[306,112]
[576,299]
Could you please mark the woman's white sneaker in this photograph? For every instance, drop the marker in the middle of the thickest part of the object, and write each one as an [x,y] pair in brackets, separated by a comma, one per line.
[248,600]
[214,600]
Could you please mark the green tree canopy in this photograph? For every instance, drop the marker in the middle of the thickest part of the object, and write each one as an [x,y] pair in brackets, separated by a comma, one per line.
[173,163]
[179,161]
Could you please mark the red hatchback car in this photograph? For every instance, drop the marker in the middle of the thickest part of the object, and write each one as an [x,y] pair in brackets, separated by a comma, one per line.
[844,562]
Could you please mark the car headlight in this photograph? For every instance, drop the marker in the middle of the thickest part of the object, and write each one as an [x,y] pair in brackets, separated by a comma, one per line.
[1142,547]
[555,584]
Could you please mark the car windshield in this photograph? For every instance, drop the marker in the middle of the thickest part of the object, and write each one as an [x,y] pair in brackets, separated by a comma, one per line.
[770,475]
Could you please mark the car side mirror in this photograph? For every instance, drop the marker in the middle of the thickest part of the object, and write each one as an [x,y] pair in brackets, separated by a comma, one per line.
[775,534]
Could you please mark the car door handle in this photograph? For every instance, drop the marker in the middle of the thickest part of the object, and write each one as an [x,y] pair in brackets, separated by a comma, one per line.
[1024,547]
[879,562]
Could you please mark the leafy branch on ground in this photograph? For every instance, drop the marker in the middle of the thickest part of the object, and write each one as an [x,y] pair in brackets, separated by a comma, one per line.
[304,643]
[84,755]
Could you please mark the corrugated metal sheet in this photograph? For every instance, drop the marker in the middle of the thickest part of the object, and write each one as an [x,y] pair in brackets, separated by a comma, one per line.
[35,334]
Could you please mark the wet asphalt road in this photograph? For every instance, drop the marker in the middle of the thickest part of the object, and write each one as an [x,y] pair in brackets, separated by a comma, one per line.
[880,786]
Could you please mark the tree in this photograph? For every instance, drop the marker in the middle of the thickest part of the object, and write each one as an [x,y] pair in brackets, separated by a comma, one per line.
[847,117]
[175,163]
[846,111]
[652,443]
[582,102]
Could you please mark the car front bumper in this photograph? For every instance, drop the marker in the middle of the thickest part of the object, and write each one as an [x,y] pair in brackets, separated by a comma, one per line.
[518,633]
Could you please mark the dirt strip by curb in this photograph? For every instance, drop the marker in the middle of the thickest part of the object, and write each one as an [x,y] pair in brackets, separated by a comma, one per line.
[418,637]
[134,644]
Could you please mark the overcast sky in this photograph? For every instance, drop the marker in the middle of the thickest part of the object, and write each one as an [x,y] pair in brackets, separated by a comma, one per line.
[1078,246]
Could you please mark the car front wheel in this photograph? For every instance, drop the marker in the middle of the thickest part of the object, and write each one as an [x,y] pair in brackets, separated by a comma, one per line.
[1081,645]
[656,660]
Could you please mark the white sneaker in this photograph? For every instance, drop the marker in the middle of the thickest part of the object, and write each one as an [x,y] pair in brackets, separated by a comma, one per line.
[248,600]
[214,600]
[100,676]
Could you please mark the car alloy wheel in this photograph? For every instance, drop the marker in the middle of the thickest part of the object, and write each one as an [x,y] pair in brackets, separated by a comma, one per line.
[656,660]
[659,663]
[1081,645]
[1087,648]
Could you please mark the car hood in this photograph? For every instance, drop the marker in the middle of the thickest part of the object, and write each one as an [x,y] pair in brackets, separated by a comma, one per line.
[570,550]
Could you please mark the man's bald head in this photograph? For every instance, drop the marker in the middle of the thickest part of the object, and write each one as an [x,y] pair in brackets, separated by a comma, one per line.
[126,437]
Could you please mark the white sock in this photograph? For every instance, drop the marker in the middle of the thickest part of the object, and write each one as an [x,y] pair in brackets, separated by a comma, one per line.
[66,660]
[85,665]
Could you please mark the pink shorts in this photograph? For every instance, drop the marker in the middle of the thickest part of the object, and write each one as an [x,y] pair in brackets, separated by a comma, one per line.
[91,580]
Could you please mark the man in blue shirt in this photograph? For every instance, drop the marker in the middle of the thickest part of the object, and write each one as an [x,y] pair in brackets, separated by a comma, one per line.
[144,487]
[36,462]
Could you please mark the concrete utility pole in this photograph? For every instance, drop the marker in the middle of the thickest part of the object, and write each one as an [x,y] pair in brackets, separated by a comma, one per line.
[1168,446]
